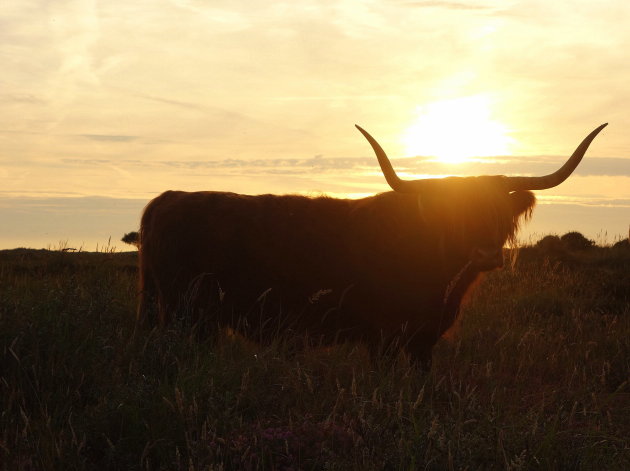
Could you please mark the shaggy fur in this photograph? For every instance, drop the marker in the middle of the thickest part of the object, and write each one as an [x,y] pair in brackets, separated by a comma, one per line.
[388,268]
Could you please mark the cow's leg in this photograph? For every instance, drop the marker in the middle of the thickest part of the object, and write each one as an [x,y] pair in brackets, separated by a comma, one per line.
[147,312]
[421,352]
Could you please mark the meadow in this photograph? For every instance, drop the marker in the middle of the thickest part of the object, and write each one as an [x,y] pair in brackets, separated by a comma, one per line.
[535,376]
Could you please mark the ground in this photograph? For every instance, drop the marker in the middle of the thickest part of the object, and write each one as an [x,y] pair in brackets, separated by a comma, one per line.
[534,377]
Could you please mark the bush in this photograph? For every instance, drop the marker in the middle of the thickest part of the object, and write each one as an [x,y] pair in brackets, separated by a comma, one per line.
[131,238]
[550,244]
[576,241]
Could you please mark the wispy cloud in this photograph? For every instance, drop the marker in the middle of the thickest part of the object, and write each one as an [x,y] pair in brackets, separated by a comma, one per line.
[594,200]
[169,101]
[520,165]
[333,97]
[448,5]
[22,98]
[109,137]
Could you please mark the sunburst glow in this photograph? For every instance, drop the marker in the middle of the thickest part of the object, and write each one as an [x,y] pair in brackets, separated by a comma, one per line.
[458,129]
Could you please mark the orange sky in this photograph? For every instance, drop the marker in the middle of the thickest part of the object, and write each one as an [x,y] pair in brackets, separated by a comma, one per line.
[106,104]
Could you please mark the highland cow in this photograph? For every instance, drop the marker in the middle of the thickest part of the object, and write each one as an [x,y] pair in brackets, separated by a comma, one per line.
[387,270]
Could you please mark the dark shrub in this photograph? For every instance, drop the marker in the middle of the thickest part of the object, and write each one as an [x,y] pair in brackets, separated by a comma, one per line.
[576,241]
[131,238]
[550,244]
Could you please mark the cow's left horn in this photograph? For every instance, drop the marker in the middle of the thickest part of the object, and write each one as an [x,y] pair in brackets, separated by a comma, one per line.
[390,175]
[560,175]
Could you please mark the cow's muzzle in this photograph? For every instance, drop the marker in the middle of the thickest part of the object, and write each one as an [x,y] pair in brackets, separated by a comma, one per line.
[485,259]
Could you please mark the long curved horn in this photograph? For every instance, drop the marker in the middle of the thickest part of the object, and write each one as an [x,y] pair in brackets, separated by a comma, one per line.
[512,183]
[557,177]
[396,183]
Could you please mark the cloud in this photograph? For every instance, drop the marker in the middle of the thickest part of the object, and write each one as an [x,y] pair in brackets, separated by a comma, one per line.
[333,97]
[7,198]
[513,165]
[109,137]
[227,19]
[590,201]
[276,165]
[619,203]
[179,103]
[216,120]
[448,5]
[589,167]
[21,98]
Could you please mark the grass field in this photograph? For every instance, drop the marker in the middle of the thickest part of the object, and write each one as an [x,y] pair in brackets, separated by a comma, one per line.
[536,376]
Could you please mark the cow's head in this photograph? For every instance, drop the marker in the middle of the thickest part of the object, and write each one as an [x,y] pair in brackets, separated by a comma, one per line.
[476,216]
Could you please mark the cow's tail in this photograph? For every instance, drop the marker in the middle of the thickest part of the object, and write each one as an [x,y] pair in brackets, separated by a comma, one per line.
[147,289]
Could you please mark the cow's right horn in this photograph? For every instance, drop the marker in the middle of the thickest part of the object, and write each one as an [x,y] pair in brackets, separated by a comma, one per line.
[396,183]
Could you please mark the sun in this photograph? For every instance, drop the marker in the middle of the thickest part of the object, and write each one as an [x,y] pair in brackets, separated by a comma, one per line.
[455,130]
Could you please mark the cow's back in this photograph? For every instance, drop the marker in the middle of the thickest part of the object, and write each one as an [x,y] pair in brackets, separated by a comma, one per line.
[207,247]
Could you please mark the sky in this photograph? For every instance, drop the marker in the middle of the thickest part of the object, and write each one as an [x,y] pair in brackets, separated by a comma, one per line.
[105,104]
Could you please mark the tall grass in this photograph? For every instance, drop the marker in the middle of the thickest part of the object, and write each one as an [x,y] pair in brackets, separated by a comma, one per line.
[536,377]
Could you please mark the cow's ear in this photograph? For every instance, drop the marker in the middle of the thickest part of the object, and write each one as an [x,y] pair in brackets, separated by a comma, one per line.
[523,203]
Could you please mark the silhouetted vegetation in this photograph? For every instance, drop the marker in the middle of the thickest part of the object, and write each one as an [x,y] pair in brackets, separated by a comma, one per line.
[131,238]
[550,244]
[536,378]
[571,241]
[570,248]
[576,241]
[622,244]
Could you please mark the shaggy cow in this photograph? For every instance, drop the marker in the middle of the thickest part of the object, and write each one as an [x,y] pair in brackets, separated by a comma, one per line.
[390,267]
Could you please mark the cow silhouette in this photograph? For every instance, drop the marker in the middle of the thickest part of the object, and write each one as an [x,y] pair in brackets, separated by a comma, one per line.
[389,270]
